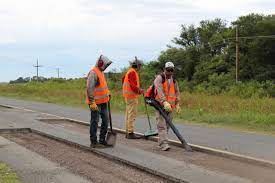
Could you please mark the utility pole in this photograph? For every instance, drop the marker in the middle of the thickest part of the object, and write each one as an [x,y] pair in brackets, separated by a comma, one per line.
[237,54]
[57,72]
[37,66]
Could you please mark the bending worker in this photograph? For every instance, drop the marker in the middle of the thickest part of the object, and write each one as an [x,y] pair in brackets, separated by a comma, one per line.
[98,96]
[131,91]
[168,95]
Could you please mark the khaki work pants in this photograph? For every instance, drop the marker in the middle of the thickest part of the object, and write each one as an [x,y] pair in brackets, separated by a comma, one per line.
[130,114]
[163,128]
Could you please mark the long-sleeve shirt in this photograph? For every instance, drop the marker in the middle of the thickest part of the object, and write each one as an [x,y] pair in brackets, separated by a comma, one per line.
[133,82]
[92,82]
[159,88]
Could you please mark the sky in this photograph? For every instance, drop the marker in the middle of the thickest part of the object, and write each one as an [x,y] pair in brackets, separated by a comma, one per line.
[71,34]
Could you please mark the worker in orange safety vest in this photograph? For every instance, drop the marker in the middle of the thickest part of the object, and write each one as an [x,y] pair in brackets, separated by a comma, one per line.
[167,93]
[97,97]
[131,92]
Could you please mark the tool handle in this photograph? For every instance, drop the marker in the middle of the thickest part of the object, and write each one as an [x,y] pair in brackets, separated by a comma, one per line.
[168,120]
[110,116]
[147,112]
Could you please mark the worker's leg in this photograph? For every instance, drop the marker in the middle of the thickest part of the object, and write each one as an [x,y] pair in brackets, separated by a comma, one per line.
[93,126]
[126,115]
[103,110]
[162,131]
[132,113]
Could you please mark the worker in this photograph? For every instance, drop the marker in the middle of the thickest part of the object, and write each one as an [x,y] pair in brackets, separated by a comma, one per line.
[168,95]
[131,91]
[98,96]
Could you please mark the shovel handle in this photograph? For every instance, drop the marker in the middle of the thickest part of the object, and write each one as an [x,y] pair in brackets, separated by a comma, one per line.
[110,116]
[147,112]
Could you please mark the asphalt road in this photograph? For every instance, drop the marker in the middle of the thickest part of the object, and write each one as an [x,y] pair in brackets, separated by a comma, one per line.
[255,145]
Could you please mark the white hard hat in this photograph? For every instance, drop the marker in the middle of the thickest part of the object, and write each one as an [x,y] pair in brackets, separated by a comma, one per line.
[169,65]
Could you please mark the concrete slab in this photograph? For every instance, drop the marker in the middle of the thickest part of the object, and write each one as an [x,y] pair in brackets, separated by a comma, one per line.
[154,162]
[33,168]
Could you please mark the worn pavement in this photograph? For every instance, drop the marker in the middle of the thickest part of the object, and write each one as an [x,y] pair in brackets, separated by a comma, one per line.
[251,144]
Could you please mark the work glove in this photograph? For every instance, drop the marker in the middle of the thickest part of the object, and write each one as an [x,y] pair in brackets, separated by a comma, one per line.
[167,107]
[93,106]
[141,91]
[178,108]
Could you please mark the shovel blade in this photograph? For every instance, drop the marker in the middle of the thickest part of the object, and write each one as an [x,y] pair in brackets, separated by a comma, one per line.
[111,138]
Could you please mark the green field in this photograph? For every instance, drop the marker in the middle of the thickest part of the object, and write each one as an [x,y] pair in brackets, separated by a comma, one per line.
[245,114]
[6,174]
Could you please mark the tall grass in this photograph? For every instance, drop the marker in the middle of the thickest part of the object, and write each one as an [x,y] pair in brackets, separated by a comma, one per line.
[7,175]
[256,114]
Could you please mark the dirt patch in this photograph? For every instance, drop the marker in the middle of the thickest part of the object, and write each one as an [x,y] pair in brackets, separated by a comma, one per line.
[210,162]
[81,162]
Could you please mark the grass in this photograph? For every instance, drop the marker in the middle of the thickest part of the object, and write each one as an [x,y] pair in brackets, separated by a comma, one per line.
[6,174]
[249,114]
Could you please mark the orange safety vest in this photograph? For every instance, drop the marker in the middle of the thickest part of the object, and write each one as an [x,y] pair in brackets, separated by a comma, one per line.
[127,91]
[169,92]
[101,91]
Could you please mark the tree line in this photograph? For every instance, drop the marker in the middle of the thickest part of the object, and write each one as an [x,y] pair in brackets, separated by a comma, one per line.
[205,55]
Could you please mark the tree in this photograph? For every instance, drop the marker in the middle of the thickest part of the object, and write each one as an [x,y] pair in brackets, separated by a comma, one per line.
[257,53]
[207,51]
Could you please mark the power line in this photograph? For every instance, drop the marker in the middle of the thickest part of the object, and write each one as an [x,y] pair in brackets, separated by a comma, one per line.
[254,37]
[57,72]
[224,41]
[37,66]
[237,53]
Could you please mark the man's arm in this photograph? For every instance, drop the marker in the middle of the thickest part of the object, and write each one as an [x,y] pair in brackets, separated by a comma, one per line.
[133,82]
[177,91]
[91,84]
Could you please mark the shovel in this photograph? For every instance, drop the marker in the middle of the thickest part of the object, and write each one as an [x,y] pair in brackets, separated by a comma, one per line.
[111,135]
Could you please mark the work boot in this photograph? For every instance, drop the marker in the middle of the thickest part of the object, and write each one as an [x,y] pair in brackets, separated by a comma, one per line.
[103,144]
[164,147]
[93,144]
[132,136]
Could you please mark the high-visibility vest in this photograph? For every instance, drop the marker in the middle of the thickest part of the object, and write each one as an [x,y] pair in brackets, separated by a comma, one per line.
[169,92]
[127,91]
[101,92]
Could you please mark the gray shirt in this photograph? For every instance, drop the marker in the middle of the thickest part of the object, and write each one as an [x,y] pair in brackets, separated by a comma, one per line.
[158,86]
[92,82]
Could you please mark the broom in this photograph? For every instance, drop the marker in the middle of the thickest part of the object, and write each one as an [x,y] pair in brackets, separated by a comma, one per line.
[149,132]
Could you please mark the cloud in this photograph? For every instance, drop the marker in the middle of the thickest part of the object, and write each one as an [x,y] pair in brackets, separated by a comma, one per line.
[72,33]
[90,20]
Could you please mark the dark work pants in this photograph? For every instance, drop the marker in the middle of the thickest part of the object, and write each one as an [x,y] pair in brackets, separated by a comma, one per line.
[103,112]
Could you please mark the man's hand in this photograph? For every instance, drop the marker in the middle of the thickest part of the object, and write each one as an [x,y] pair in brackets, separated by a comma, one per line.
[178,109]
[93,106]
[167,107]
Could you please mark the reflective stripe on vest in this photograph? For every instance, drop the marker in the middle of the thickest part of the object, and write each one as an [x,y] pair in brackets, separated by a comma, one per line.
[101,91]
[127,90]
[169,92]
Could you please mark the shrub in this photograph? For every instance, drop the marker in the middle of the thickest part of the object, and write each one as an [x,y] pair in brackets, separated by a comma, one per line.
[252,89]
